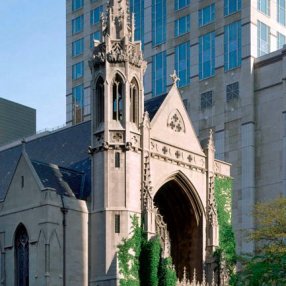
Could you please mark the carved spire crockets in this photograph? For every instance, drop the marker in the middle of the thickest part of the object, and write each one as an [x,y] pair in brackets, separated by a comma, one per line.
[118,33]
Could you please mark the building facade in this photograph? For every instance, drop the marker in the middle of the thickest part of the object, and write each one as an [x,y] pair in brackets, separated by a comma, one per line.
[213,46]
[16,121]
[67,198]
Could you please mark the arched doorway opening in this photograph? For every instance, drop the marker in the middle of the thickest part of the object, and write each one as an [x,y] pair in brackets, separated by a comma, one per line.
[181,213]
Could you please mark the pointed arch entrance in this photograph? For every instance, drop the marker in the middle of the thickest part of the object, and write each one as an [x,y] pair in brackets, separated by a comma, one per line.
[181,211]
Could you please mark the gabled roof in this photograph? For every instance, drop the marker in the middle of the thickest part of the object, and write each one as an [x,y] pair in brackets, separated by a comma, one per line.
[66,148]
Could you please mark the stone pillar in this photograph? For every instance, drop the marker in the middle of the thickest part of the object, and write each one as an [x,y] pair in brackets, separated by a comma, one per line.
[247,183]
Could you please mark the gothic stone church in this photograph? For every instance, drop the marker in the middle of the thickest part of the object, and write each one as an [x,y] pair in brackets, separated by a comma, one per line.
[66,198]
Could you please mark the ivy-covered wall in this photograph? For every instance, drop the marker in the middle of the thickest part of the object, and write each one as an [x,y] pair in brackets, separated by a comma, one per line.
[140,261]
[226,251]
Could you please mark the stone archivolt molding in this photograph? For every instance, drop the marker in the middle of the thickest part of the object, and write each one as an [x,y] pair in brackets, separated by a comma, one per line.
[176,122]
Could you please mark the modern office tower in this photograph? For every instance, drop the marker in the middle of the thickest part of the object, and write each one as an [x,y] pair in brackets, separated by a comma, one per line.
[16,121]
[213,46]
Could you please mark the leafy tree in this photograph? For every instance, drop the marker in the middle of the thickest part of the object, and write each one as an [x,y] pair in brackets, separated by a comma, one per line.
[268,266]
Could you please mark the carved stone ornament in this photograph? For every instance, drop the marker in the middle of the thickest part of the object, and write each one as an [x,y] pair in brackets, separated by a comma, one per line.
[98,55]
[117,137]
[162,232]
[116,55]
[176,122]
[211,206]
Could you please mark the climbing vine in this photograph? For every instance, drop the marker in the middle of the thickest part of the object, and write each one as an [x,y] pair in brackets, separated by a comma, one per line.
[226,251]
[128,255]
[140,261]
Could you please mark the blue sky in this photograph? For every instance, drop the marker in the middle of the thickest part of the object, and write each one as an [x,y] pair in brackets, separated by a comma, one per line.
[33,57]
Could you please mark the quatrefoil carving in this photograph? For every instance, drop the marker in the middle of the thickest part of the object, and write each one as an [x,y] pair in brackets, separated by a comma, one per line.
[176,122]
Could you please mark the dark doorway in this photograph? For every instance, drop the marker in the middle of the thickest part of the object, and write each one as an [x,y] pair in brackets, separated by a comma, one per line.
[184,225]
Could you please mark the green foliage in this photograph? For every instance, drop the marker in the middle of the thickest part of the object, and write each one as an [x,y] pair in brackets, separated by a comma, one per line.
[226,250]
[167,275]
[149,262]
[268,267]
[271,231]
[140,261]
[263,269]
[128,256]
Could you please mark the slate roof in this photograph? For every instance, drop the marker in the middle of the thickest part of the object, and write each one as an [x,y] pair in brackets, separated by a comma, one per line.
[60,158]
[152,105]
[65,181]
[66,148]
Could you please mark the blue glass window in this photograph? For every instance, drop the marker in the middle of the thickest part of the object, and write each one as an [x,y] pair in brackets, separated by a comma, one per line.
[281,12]
[77,4]
[281,40]
[232,45]
[77,25]
[263,6]
[77,47]
[159,73]
[94,36]
[78,103]
[207,15]
[231,6]
[137,7]
[182,25]
[77,70]
[179,4]
[263,39]
[207,55]
[159,22]
[182,63]
[95,15]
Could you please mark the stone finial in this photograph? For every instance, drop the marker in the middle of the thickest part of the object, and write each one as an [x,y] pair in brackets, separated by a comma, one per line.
[174,77]
[211,144]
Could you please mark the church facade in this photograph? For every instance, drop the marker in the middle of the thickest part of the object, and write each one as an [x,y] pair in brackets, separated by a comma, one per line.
[66,198]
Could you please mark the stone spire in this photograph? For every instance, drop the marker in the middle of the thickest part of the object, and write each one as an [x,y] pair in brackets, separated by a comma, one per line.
[118,32]
[117,21]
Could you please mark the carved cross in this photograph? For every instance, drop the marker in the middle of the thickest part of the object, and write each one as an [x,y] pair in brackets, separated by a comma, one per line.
[177,154]
[190,158]
[175,117]
[165,150]
[174,77]
[179,128]
[172,124]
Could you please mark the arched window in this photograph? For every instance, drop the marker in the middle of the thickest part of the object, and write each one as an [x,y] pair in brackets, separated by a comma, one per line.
[134,100]
[117,106]
[21,256]
[99,101]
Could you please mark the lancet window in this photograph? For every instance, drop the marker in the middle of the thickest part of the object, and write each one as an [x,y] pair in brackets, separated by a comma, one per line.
[21,256]
[134,100]
[99,101]
[117,113]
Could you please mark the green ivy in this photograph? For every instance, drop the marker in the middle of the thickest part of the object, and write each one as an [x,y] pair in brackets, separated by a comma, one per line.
[140,261]
[226,249]
[149,262]
[167,275]
[128,256]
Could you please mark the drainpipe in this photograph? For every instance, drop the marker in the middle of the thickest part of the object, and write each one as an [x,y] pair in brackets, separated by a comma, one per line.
[64,211]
